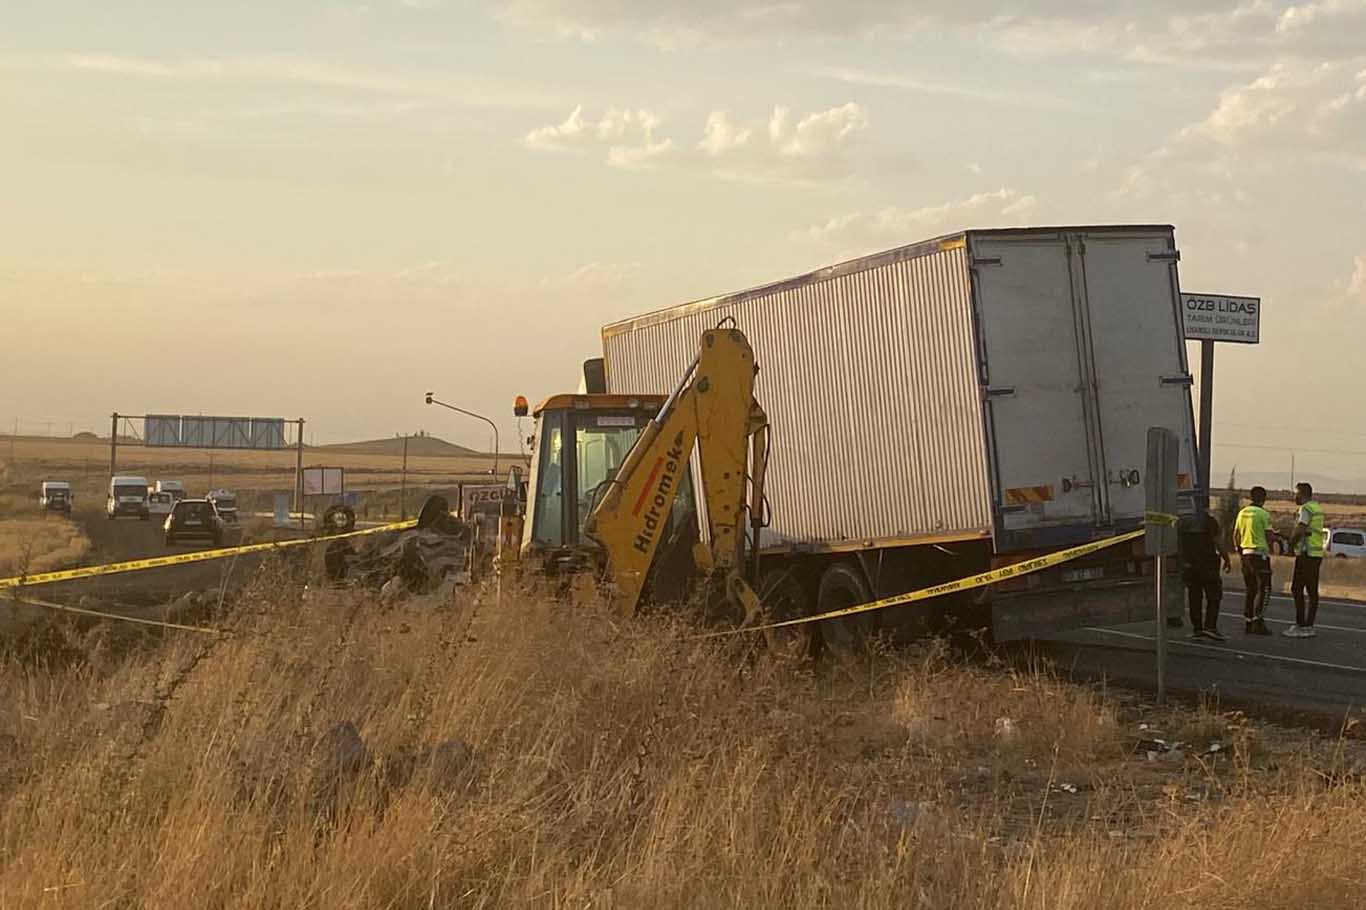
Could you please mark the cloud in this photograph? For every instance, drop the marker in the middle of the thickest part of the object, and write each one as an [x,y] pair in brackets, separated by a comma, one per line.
[860,232]
[295,72]
[1293,104]
[595,275]
[807,148]
[1292,114]
[1356,285]
[1228,34]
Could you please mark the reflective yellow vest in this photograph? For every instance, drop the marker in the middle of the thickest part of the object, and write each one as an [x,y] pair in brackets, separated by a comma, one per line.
[1249,530]
[1312,545]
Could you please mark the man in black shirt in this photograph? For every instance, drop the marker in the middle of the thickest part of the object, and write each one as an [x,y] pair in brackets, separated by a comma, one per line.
[1202,551]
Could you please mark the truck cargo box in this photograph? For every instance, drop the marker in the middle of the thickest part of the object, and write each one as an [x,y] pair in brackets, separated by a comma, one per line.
[990,383]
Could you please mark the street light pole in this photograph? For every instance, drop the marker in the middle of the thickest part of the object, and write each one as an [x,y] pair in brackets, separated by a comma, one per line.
[496,446]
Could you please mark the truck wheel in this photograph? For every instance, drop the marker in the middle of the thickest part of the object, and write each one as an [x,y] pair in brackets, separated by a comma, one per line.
[784,598]
[842,586]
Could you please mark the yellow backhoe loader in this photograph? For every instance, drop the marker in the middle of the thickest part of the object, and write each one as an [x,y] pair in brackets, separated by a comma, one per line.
[611,488]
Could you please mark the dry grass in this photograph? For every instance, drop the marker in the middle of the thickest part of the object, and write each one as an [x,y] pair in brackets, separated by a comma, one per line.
[40,544]
[622,765]
[1337,577]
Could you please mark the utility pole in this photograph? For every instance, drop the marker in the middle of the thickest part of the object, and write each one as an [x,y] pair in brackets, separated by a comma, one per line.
[113,443]
[299,475]
[403,483]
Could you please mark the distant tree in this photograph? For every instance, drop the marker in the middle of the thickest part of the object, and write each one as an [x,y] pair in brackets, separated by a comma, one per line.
[1229,505]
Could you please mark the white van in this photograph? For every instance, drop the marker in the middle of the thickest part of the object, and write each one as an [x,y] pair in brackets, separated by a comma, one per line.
[1346,542]
[127,496]
[55,496]
[174,487]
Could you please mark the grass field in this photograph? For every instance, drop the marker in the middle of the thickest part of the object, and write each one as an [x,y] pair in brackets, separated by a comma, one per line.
[85,464]
[336,753]
[40,544]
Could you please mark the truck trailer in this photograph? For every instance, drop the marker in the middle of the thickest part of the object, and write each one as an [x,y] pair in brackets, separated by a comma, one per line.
[951,406]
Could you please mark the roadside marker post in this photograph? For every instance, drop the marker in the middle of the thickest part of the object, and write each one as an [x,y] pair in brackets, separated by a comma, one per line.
[1159,539]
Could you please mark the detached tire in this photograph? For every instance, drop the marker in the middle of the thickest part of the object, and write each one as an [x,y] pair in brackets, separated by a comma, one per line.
[842,585]
[339,520]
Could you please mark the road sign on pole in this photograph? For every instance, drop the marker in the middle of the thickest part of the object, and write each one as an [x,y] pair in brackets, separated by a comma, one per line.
[1208,318]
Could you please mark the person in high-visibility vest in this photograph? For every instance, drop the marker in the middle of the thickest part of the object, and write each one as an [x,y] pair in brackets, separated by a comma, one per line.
[1307,544]
[1250,532]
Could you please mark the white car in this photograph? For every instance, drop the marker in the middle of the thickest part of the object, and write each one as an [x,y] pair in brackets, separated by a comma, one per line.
[1346,542]
[160,503]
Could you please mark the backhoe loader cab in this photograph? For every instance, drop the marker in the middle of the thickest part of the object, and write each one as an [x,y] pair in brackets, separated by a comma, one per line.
[580,442]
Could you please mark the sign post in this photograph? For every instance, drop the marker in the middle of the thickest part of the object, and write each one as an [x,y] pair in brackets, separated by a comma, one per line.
[1164,451]
[1208,318]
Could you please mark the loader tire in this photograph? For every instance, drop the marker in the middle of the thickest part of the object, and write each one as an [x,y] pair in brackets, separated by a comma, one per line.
[842,585]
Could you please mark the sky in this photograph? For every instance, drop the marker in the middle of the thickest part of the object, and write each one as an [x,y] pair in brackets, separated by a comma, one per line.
[325,208]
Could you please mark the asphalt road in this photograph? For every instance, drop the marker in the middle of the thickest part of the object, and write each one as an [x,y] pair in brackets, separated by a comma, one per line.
[1320,679]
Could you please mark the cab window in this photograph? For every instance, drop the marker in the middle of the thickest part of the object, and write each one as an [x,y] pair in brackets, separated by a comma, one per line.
[548,527]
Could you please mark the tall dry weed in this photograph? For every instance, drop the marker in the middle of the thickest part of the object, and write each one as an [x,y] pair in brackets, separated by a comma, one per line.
[333,752]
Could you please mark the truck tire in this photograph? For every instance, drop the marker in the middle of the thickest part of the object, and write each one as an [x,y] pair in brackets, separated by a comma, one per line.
[843,585]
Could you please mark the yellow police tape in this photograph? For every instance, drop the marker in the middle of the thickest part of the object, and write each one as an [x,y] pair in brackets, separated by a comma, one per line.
[179,559]
[102,615]
[1161,518]
[980,580]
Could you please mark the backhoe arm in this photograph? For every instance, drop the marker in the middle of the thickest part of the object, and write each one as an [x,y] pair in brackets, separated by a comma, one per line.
[713,407]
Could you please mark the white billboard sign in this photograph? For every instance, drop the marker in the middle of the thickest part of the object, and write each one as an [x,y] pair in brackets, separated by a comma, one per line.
[324,481]
[481,498]
[1221,317]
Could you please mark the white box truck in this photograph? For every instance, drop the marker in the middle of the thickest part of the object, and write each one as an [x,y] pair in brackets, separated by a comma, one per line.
[952,406]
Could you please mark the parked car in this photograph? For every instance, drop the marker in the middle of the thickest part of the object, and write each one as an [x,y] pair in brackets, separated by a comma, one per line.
[55,496]
[225,501]
[127,496]
[1346,543]
[194,519]
[160,503]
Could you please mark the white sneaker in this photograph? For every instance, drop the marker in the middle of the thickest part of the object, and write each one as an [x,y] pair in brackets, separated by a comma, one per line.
[1293,632]
[1307,632]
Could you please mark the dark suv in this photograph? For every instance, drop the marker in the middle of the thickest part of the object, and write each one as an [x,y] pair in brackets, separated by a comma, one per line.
[194,519]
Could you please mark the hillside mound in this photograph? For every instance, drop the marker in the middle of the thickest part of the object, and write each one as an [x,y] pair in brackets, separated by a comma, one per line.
[418,446]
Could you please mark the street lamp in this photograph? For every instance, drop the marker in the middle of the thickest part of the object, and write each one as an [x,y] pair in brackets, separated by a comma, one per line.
[432,400]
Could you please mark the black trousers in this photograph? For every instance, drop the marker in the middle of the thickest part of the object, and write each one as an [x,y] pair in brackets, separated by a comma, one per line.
[1305,586]
[1204,592]
[1256,584]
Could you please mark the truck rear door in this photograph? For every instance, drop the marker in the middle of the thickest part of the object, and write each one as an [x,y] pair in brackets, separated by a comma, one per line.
[1033,378]
[1081,352]
[1132,306]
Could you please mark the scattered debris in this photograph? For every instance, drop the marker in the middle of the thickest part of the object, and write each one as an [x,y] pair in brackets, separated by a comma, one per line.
[1006,730]
[437,555]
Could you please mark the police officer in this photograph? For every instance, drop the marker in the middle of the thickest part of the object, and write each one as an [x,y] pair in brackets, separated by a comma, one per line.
[1202,551]
[1250,531]
[1307,543]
